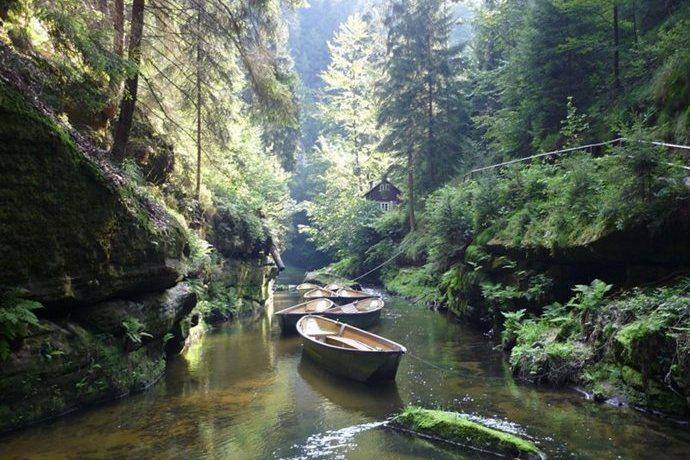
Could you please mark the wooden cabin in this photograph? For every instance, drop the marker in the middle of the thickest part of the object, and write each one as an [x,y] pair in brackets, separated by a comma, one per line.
[387,195]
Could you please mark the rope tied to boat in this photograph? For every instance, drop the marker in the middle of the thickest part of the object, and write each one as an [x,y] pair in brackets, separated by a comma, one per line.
[400,251]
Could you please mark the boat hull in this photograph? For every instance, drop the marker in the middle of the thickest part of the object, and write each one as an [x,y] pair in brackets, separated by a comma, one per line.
[362,320]
[352,364]
[288,322]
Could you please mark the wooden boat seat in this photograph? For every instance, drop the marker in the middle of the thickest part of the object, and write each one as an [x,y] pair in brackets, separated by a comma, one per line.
[350,343]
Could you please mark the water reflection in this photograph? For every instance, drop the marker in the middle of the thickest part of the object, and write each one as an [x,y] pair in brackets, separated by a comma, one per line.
[351,396]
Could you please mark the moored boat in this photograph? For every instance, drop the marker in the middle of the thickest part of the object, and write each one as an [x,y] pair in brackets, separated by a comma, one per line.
[349,351]
[319,293]
[305,287]
[347,295]
[288,317]
[361,313]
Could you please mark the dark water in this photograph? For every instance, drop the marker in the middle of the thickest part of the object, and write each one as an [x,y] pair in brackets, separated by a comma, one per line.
[244,392]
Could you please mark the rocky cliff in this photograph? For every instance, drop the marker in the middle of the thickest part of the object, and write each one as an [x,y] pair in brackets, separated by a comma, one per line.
[107,267]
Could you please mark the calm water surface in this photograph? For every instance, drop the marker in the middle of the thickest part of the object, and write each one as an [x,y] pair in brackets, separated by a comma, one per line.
[244,392]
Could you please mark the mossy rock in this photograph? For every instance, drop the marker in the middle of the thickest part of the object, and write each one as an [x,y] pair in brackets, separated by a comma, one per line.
[73,229]
[455,429]
[62,367]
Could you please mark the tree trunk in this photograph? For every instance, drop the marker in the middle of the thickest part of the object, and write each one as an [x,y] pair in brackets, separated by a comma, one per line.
[118,15]
[198,103]
[410,190]
[616,51]
[129,100]
[198,107]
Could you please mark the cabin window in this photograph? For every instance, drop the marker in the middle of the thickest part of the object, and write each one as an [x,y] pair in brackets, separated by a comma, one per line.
[384,187]
[386,205]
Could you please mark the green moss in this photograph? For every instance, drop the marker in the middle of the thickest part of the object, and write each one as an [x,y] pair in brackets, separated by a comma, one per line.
[454,428]
[71,230]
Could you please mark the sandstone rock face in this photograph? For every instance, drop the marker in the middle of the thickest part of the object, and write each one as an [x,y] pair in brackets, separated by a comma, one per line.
[70,232]
[158,312]
[237,237]
[83,241]
[103,259]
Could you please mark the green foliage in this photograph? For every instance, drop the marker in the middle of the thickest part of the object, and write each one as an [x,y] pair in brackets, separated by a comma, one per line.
[16,315]
[637,345]
[133,330]
[574,126]
[589,298]
[511,326]
[416,283]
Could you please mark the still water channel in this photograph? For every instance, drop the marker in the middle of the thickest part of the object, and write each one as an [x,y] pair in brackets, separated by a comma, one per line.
[244,392]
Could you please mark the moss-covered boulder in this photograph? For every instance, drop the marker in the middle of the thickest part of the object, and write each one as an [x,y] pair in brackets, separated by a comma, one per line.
[236,235]
[62,366]
[455,429]
[72,229]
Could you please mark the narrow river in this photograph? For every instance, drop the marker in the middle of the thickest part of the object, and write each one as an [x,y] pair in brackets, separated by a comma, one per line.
[244,392]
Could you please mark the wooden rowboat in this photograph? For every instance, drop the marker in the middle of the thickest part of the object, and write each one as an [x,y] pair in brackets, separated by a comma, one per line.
[318,293]
[289,316]
[347,295]
[304,287]
[348,351]
[341,296]
[361,313]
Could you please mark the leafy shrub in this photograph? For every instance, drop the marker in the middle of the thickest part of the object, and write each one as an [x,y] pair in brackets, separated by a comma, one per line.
[589,298]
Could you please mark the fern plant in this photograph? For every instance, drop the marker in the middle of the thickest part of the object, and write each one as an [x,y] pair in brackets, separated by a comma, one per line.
[134,330]
[512,323]
[16,315]
[589,298]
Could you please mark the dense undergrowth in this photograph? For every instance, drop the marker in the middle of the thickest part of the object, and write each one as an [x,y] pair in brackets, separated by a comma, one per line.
[489,249]
[634,347]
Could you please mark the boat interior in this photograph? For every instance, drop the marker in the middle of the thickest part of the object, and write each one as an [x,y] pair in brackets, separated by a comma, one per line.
[307,287]
[312,306]
[343,336]
[318,292]
[333,287]
[360,306]
[351,293]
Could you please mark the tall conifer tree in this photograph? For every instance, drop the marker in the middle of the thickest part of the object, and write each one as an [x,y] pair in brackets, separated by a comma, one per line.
[421,98]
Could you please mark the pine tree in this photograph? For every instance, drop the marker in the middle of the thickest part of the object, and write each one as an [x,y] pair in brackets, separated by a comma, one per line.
[349,105]
[421,98]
